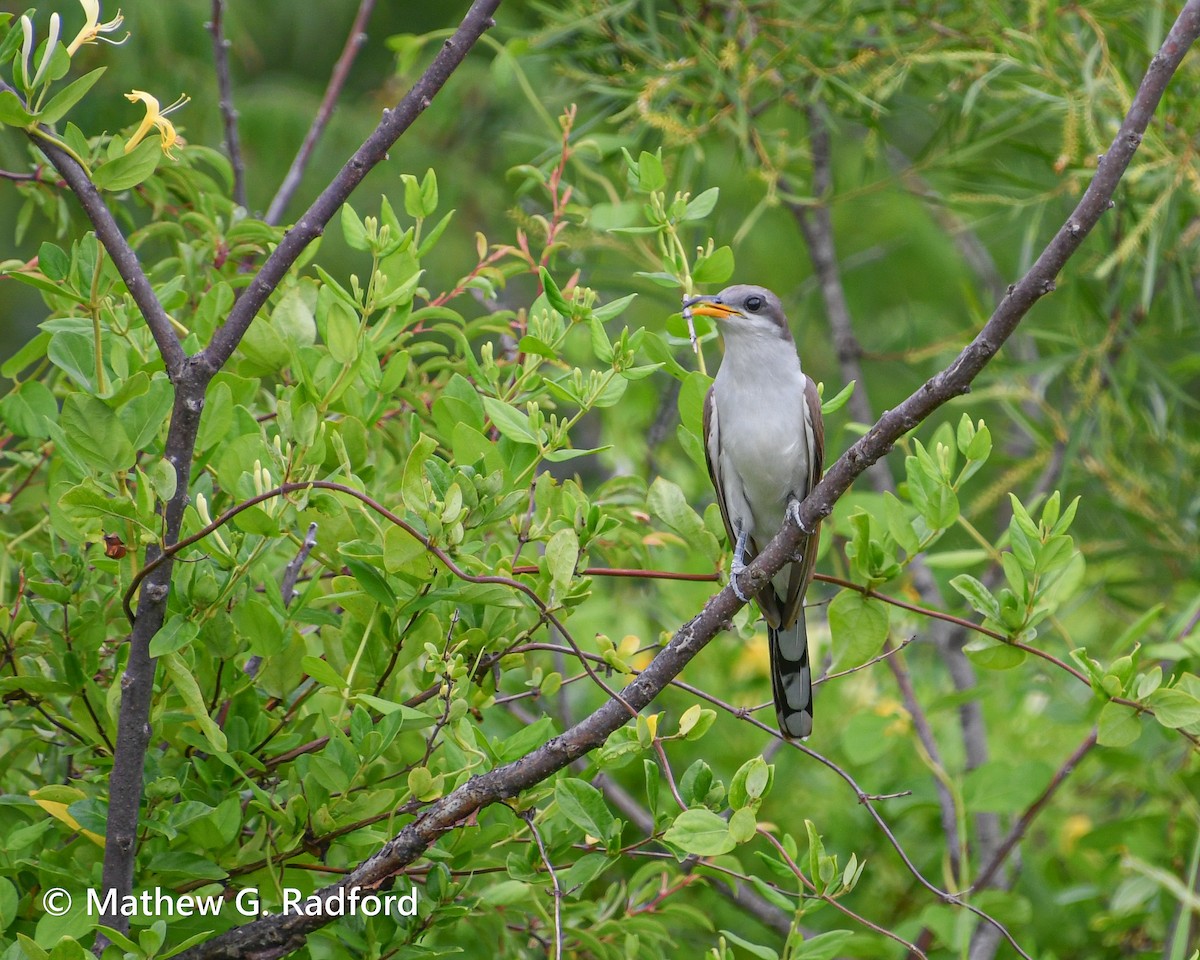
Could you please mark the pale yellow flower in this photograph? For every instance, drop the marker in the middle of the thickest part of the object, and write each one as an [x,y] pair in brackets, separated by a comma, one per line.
[92,28]
[155,117]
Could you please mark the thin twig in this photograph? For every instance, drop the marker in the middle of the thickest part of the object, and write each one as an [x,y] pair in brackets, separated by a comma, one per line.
[225,92]
[556,892]
[1022,825]
[833,901]
[337,79]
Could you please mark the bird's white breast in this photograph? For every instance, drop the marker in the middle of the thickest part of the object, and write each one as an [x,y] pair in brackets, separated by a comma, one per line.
[763,438]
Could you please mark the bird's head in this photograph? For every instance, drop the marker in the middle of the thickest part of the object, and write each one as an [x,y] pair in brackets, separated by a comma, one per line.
[744,309]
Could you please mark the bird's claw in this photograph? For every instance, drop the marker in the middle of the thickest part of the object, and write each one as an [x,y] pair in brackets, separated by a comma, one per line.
[793,512]
[735,570]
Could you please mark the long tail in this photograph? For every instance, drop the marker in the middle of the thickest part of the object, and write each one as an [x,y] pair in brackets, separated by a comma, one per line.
[791,678]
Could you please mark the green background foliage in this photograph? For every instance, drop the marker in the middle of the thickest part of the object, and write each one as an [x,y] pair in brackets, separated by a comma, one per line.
[463,348]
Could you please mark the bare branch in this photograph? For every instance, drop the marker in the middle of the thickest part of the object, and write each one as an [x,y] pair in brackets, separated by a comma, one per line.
[337,79]
[225,91]
[1022,825]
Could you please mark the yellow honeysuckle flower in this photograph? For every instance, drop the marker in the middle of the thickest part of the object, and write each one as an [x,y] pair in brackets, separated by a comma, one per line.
[92,28]
[155,117]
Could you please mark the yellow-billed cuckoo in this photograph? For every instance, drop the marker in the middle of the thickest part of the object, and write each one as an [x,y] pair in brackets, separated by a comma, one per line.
[764,442]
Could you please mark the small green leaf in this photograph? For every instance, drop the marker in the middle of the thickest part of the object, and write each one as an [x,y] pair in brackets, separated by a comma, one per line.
[185,683]
[701,206]
[701,832]
[1175,707]
[12,111]
[322,672]
[341,331]
[174,635]
[353,229]
[650,173]
[95,434]
[129,169]
[717,267]
[1119,726]
[859,627]
[553,293]
[584,806]
[510,422]
[840,400]
[614,309]
[977,595]
[53,262]
[68,96]
[758,950]
[562,553]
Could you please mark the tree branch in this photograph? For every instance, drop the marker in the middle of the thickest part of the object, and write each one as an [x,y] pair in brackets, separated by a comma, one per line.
[225,92]
[337,79]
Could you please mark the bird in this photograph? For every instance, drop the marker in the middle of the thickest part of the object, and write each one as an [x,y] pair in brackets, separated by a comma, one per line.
[764,442]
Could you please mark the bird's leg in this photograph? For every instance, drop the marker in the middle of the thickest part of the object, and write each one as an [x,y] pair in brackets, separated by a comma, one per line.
[738,564]
[793,512]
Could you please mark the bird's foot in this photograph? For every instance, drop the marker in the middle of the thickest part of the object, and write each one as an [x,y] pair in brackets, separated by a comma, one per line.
[738,565]
[735,570]
[793,513]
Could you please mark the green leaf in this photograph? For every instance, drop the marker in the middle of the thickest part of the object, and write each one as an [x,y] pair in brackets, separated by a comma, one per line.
[823,946]
[977,595]
[88,500]
[993,654]
[53,262]
[601,346]
[322,672]
[129,169]
[613,309]
[560,456]
[27,409]
[185,683]
[743,825]
[553,294]
[1119,726]
[838,401]
[858,626]
[510,422]
[12,111]
[68,96]
[1175,707]
[373,583]
[341,331]
[650,173]
[717,267]
[413,484]
[174,635]
[413,719]
[95,434]
[701,206]
[584,806]
[701,832]
[353,229]
[562,553]
[754,949]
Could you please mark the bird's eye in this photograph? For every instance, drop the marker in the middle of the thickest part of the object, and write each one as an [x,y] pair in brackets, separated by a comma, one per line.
[754,304]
